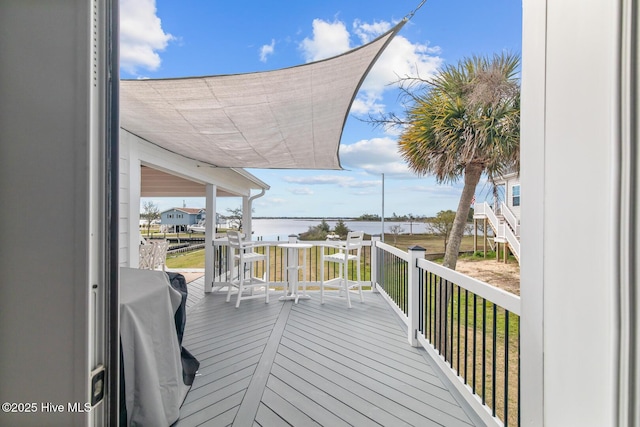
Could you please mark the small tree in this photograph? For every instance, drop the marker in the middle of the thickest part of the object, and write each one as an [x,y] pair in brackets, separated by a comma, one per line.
[150,212]
[341,229]
[442,225]
[324,226]
[235,213]
[395,231]
[316,232]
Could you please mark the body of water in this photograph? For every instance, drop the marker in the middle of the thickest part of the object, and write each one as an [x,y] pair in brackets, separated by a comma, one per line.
[280,229]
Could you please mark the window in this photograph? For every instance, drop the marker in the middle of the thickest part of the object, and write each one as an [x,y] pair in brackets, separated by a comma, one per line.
[515,190]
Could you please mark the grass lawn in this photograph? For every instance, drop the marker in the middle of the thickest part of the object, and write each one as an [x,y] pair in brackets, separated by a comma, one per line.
[193,259]
[433,244]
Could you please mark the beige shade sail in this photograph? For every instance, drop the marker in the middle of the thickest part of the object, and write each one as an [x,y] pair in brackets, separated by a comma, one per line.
[285,119]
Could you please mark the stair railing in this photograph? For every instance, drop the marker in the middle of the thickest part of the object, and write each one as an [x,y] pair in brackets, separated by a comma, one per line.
[510,218]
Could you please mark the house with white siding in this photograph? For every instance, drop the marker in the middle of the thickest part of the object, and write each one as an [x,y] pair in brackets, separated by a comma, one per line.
[501,215]
[508,192]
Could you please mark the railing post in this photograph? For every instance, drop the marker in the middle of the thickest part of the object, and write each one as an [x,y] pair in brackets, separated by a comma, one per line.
[413,297]
[374,263]
[230,262]
[210,268]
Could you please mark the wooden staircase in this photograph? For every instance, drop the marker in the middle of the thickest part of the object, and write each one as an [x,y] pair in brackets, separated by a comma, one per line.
[505,225]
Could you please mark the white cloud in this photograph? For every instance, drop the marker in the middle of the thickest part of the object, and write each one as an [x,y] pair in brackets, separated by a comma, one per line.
[315,180]
[305,191]
[401,58]
[437,191]
[375,156]
[267,50]
[141,35]
[367,32]
[367,103]
[341,181]
[376,150]
[329,39]
[269,202]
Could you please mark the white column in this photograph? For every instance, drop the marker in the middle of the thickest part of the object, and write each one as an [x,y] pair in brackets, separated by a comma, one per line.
[567,194]
[135,184]
[246,217]
[209,235]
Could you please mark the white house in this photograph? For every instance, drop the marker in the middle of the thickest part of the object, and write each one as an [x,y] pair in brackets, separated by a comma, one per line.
[580,287]
[501,215]
[508,191]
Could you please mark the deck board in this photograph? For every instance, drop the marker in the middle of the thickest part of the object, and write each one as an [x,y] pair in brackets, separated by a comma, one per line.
[363,371]
[310,364]
[267,418]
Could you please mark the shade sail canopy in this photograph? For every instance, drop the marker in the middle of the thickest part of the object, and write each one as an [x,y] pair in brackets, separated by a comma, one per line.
[285,119]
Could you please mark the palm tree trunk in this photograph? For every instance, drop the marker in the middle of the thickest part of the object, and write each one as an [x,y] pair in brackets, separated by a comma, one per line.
[472,174]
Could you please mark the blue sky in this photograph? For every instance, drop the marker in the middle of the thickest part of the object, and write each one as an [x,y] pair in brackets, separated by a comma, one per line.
[166,38]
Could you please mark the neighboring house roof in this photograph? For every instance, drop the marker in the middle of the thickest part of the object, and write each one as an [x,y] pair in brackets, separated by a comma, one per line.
[511,176]
[190,211]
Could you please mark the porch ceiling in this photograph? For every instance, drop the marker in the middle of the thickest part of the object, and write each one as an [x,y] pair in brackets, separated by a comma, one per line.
[285,119]
[156,183]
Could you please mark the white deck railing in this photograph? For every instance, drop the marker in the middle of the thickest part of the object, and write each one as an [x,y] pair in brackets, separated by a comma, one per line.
[513,241]
[510,218]
[224,266]
[445,312]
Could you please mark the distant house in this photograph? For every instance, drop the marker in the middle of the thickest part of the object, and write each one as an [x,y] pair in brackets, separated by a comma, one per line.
[502,214]
[182,216]
[508,191]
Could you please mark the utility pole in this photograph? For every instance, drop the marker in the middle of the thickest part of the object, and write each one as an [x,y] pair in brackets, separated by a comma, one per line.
[382,235]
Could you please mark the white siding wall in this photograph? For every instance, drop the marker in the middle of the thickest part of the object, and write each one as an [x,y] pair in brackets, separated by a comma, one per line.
[569,140]
[129,199]
[507,185]
[515,209]
[123,244]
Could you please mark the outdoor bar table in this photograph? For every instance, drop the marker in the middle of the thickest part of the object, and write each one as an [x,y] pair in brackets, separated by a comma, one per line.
[293,266]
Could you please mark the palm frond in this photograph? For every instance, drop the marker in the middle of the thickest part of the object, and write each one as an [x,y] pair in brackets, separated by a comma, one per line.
[470,113]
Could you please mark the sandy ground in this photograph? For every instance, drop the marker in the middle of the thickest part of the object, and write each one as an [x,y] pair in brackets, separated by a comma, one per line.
[496,273]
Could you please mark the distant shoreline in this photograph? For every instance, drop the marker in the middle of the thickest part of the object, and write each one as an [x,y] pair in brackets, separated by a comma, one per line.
[306,218]
[337,218]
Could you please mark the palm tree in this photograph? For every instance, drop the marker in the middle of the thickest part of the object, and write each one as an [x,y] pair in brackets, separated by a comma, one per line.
[466,123]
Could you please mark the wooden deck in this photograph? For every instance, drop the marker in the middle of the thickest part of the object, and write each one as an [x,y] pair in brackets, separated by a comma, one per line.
[281,364]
